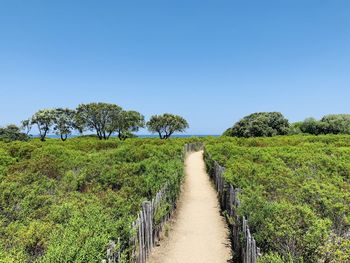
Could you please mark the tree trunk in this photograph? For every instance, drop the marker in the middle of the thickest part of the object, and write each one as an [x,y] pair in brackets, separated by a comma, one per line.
[64,137]
[43,136]
[168,135]
[109,135]
[99,134]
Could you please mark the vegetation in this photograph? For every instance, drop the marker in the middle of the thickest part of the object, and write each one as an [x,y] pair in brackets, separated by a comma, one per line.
[329,124]
[129,122]
[165,125]
[12,133]
[64,201]
[103,118]
[268,124]
[44,119]
[295,193]
[63,122]
[26,125]
[99,117]
[260,124]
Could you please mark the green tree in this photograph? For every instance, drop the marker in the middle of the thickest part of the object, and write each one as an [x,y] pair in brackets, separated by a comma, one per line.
[295,128]
[336,123]
[260,124]
[26,125]
[64,122]
[12,133]
[128,122]
[44,119]
[165,125]
[99,117]
[312,126]
[329,124]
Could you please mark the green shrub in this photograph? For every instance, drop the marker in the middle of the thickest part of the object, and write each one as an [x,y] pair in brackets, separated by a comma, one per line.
[64,201]
[295,192]
[260,124]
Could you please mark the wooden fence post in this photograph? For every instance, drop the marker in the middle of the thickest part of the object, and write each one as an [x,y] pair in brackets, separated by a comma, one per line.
[146,232]
[110,252]
[245,250]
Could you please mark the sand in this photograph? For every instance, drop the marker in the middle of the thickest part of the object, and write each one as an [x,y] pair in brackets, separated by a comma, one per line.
[198,232]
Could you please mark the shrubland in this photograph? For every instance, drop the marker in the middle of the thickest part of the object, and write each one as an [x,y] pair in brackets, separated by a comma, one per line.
[63,201]
[295,193]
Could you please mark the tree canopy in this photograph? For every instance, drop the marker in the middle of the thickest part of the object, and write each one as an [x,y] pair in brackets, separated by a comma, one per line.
[260,124]
[127,123]
[99,117]
[26,126]
[64,122]
[312,126]
[336,123]
[165,125]
[12,133]
[44,119]
[329,124]
[102,118]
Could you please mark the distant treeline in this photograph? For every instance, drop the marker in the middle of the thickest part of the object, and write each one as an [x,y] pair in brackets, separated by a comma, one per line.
[268,124]
[105,119]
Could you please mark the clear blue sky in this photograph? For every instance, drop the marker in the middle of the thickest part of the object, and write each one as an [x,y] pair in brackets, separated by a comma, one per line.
[211,61]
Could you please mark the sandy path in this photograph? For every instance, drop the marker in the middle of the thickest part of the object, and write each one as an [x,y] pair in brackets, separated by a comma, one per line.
[199,233]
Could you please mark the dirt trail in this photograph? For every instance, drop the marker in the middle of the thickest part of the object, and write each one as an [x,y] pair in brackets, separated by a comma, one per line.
[199,233]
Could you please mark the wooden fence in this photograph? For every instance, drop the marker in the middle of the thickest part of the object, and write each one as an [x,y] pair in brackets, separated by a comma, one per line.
[147,227]
[243,243]
[193,147]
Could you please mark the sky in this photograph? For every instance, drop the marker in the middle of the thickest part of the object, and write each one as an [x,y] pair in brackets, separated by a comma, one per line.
[212,62]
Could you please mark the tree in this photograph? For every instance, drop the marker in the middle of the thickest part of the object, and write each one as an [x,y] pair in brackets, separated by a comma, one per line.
[313,126]
[44,119]
[64,122]
[99,117]
[329,124]
[165,125]
[26,125]
[12,133]
[336,123]
[128,122]
[260,124]
[294,128]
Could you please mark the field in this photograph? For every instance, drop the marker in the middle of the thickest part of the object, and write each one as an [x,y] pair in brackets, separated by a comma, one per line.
[64,201]
[295,193]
